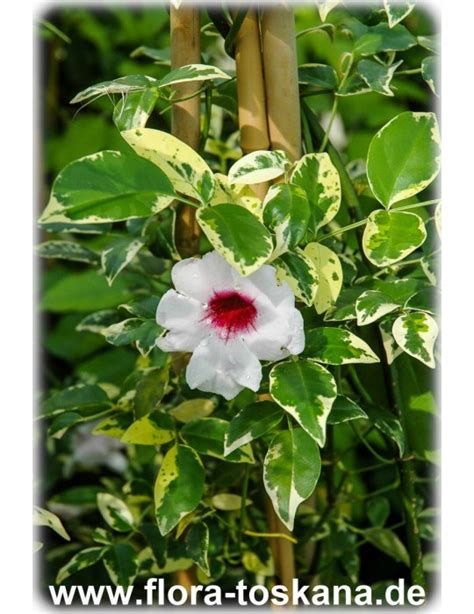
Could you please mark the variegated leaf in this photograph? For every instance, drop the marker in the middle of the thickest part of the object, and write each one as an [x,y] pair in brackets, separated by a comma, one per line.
[178,487]
[237,194]
[397,11]
[207,436]
[300,273]
[114,426]
[121,563]
[416,333]
[377,76]
[116,257]
[344,409]
[251,423]
[237,235]
[142,333]
[134,110]
[286,212]
[390,236]
[122,85]
[67,250]
[259,166]
[45,518]
[81,560]
[318,177]
[306,391]
[115,512]
[373,305]
[337,346]
[329,270]
[404,157]
[154,429]
[193,72]
[325,7]
[429,72]
[193,408]
[197,546]
[290,473]
[392,349]
[108,186]
[185,168]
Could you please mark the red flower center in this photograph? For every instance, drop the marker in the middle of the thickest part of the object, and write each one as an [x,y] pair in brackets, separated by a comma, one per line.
[231,312]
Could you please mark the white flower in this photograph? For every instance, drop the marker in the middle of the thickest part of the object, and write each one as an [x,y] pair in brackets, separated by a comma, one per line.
[228,322]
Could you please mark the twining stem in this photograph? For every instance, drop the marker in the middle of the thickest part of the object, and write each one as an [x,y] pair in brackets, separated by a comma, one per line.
[345,73]
[185,115]
[407,479]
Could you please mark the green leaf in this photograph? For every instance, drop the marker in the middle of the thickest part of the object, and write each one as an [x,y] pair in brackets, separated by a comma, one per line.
[81,560]
[178,487]
[384,38]
[387,541]
[344,409]
[299,272]
[108,186]
[116,257]
[319,179]
[183,167]
[156,541]
[325,7]
[397,11]
[286,212]
[387,424]
[429,72]
[67,250]
[237,235]
[121,564]
[373,305]
[84,291]
[390,236]
[153,429]
[115,512]
[142,333]
[197,546]
[150,390]
[344,309]
[377,76]
[193,408]
[251,423]
[404,157]
[291,471]
[134,110]
[416,333]
[330,276]
[143,307]
[122,85]
[160,56]
[85,399]
[45,518]
[354,86]
[193,72]
[317,77]
[62,423]
[102,536]
[378,510]
[207,435]
[259,166]
[337,346]
[305,390]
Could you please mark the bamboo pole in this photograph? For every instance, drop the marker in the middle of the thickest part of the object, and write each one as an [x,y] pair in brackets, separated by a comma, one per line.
[251,90]
[284,125]
[185,115]
[281,79]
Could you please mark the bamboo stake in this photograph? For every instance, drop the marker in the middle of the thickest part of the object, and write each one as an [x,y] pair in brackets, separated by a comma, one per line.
[284,124]
[185,116]
[251,90]
[281,79]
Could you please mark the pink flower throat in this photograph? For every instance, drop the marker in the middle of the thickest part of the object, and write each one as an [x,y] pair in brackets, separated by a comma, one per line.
[231,312]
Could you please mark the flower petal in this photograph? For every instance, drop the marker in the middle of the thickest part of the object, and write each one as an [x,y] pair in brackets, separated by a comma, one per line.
[201,277]
[223,367]
[264,283]
[184,317]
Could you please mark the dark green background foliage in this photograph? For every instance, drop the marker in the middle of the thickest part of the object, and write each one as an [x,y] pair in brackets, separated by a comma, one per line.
[356,516]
